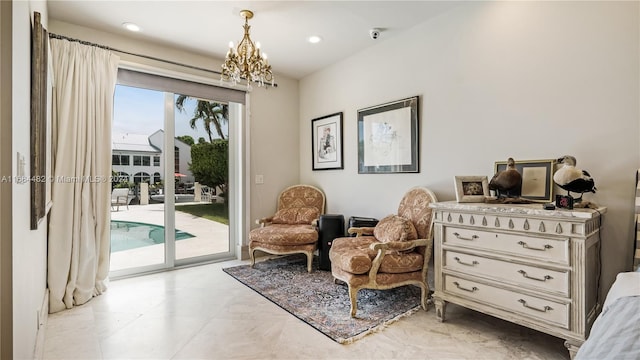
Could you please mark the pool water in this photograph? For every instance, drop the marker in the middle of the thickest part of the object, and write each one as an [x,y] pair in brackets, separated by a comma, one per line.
[127,235]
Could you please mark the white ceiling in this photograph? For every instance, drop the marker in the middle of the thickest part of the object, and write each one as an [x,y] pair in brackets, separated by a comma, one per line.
[206,27]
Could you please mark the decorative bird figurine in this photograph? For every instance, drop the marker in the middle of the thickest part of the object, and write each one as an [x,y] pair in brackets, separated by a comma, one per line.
[572,179]
[507,183]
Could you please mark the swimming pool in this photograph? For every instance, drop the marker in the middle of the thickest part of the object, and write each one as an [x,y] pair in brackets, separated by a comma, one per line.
[126,235]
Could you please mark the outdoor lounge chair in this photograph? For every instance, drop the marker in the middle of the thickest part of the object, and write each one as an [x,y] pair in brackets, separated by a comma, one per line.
[119,196]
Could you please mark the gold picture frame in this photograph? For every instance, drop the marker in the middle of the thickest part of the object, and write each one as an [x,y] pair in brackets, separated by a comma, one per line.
[471,188]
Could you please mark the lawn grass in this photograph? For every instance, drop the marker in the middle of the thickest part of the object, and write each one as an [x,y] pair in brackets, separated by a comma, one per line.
[215,211]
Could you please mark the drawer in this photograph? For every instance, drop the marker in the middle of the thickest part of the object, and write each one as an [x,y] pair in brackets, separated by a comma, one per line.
[519,222]
[532,247]
[551,281]
[551,312]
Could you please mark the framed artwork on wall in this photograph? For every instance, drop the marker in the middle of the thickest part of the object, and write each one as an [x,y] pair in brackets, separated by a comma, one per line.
[537,178]
[388,138]
[326,142]
[38,176]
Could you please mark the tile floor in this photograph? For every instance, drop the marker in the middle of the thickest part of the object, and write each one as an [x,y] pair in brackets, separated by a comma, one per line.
[203,313]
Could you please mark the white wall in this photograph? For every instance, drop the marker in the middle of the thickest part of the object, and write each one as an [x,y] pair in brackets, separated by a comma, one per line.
[29,247]
[528,80]
[274,141]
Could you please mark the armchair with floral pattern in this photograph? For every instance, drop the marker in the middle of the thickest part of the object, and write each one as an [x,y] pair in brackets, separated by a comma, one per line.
[394,253]
[293,228]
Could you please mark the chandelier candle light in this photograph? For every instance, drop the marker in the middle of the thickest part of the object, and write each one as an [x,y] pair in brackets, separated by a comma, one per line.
[246,61]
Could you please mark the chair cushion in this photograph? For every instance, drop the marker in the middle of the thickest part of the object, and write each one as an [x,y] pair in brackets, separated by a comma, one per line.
[395,228]
[296,215]
[398,263]
[282,234]
[353,255]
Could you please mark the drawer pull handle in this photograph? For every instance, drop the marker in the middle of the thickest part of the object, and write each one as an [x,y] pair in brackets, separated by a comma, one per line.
[465,289]
[524,245]
[473,263]
[545,309]
[545,278]
[473,237]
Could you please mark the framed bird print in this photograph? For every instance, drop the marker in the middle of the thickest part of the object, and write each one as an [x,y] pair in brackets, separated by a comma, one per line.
[471,188]
[537,178]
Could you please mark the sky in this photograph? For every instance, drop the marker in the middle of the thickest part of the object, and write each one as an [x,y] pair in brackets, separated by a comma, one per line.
[141,111]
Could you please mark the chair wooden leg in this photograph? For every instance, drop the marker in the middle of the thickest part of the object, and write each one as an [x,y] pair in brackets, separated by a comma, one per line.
[423,297]
[353,296]
[309,261]
[252,256]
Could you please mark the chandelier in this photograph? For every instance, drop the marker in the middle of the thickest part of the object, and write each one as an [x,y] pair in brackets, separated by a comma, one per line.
[246,62]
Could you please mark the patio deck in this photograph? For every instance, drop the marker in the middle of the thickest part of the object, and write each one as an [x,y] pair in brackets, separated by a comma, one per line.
[210,237]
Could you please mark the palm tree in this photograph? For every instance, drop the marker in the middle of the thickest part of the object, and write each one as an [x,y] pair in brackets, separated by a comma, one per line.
[210,112]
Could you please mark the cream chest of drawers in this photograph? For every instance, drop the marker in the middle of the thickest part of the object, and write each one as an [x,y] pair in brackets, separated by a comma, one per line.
[534,267]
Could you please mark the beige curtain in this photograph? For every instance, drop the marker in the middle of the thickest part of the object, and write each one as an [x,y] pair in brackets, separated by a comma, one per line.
[84,80]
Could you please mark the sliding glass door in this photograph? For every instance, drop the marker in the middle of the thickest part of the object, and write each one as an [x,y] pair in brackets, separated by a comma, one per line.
[171,152]
[137,223]
[201,164]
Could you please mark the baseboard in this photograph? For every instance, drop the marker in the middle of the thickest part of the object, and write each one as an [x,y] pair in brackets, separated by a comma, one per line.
[43,317]
[244,252]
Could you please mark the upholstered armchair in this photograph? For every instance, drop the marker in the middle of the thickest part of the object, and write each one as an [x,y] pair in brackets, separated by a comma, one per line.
[293,228]
[394,253]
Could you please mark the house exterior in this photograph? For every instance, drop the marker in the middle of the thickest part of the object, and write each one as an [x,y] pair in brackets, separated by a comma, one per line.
[138,158]
[182,156]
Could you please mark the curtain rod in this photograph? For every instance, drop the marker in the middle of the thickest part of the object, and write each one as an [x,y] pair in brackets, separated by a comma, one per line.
[83,42]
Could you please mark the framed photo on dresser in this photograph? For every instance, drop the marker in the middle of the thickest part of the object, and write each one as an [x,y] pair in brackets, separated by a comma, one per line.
[537,178]
[471,188]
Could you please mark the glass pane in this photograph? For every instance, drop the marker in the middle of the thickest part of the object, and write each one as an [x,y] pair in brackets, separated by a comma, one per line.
[137,212]
[201,177]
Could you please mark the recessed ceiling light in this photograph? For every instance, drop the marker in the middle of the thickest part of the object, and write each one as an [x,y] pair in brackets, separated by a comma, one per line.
[131,27]
[314,39]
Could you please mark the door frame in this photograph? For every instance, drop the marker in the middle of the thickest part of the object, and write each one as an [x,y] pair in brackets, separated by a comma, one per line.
[237,197]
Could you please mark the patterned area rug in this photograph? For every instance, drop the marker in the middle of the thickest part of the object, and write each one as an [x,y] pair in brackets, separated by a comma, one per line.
[315,299]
